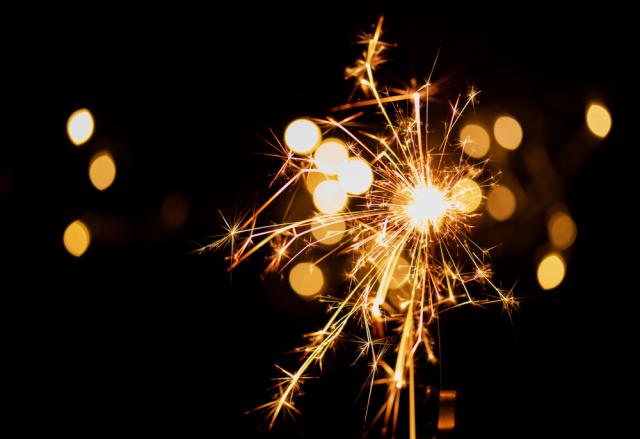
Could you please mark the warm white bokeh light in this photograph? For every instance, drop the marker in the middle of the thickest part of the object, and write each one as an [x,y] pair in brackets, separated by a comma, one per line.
[302,136]
[355,176]
[329,197]
[306,279]
[328,231]
[330,155]
[313,179]
[501,203]
[76,238]
[466,195]
[562,230]
[508,132]
[102,170]
[427,205]
[80,126]
[598,119]
[475,141]
[551,271]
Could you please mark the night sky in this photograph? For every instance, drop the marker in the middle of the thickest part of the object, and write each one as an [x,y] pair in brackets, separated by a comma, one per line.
[142,336]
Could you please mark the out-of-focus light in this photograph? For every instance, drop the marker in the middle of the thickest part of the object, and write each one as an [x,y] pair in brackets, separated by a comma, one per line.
[466,195]
[551,271]
[102,170]
[330,155]
[400,274]
[175,210]
[306,279]
[501,203]
[302,136]
[329,197]
[562,230]
[475,141]
[313,179]
[355,176]
[80,126]
[328,231]
[598,120]
[508,132]
[76,238]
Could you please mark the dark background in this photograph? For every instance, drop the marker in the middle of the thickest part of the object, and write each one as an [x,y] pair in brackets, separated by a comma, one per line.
[141,336]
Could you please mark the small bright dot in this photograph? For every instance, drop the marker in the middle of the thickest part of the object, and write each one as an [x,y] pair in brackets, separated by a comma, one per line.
[355,176]
[102,170]
[508,132]
[306,279]
[466,195]
[598,120]
[562,230]
[302,136]
[551,271]
[330,155]
[329,197]
[328,231]
[501,203]
[80,126]
[475,141]
[400,274]
[76,238]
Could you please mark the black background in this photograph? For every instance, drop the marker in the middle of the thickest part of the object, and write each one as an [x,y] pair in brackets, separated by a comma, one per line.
[141,336]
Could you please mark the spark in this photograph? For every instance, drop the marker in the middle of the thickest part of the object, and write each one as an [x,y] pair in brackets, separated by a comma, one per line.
[409,208]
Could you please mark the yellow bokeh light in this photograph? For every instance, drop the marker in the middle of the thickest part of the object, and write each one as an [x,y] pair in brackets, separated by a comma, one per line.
[306,279]
[330,155]
[562,230]
[400,274]
[501,203]
[328,231]
[466,195]
[551,271]
[313,179]
[302,136]
[355,176]
[76,238]
[508,132]
[80,126]
[102,170]
[475,141]
[598,120]
[426,207]
[329,197]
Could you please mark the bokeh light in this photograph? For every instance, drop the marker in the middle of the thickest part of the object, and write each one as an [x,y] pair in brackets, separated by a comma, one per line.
[328,231]
[330,155]
[329,197]
[102,170]
[598,120]
[551,271]
[76,238]
[508,132]
[306,279]
[475,141]
[562,230]
[302,136]
[355,176]
[80,126]
[501,203]
[466,195]
[313,179]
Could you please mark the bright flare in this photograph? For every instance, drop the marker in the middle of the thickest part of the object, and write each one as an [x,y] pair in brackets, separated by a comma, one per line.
[76,238]
[426,207]
[80,126]
[302,136]
[355,176]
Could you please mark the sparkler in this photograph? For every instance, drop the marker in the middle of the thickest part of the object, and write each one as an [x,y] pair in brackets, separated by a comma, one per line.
[411,205]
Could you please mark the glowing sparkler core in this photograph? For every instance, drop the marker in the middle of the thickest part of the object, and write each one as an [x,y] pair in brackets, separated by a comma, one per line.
[427,207]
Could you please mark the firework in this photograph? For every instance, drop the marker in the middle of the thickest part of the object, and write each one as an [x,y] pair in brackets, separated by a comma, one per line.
[406,207]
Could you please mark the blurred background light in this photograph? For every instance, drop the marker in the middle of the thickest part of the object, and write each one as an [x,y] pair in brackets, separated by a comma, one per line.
[475,141]
[355,176]
[598,120]
[76,238]
[562,230]
[306,279]
[330,155]
[302,136]
[80,126]
[501,203]
[329,197]
[466,195]
[328,231]
[102,170]
[551,271]
[508,132]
